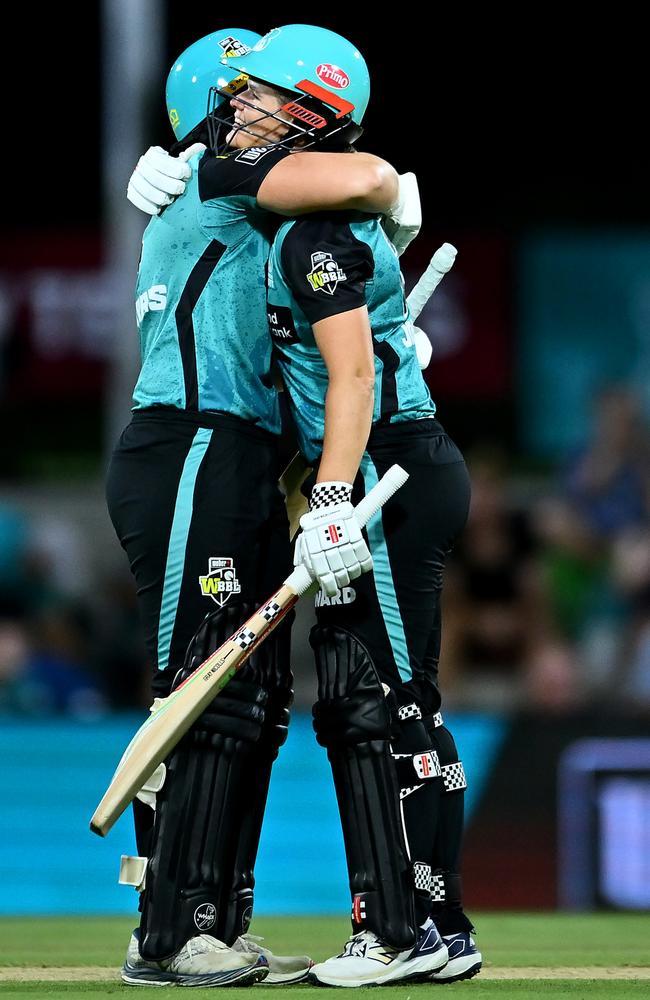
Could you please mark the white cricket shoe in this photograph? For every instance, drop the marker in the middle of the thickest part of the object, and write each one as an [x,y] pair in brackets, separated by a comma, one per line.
[367,961]
[465,960]
[283,969]
[203,961]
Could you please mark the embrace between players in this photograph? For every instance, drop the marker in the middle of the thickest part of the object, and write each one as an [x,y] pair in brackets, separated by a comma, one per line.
[267,255]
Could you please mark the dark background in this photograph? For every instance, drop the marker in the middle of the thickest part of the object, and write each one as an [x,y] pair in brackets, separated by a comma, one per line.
[509,120]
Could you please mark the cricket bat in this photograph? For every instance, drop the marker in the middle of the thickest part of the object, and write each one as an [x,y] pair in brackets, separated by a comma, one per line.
[169,722]
[441,262]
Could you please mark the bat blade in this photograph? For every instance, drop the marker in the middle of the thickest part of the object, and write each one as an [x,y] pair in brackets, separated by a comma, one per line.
[160,733]
[158,736]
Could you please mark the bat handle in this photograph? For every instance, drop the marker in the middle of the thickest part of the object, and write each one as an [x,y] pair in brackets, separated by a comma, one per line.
[300,581]
[382,491]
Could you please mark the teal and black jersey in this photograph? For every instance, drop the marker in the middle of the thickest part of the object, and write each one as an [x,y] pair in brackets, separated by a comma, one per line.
[200,296]
[323,265]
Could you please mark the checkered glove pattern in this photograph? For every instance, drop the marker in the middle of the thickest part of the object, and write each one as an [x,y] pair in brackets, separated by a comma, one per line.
[330,545]
[327,494]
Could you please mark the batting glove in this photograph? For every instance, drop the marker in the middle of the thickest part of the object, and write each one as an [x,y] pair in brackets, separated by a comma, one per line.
[160,178]
[422,344]
[403,222]
[331,546]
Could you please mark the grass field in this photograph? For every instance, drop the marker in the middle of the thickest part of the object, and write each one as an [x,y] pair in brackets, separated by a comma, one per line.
[592,956]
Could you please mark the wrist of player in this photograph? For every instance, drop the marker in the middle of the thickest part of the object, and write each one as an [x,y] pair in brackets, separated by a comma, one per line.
[331,546]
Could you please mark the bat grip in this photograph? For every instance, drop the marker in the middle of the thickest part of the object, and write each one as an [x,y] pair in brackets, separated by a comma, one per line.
[382,491]
[300,580]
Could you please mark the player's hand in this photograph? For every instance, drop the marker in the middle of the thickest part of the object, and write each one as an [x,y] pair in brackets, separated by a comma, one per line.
[403,222]
[159,178]
[331,546]
[422,344]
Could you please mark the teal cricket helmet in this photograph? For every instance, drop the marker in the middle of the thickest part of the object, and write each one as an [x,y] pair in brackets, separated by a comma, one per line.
[198,69]
[307,60]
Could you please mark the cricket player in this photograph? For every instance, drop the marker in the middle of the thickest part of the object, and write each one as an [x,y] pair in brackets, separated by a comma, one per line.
[340,326]
[192,494]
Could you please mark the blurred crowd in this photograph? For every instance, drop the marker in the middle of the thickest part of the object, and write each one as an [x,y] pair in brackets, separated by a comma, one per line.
[546,601]
[547,597]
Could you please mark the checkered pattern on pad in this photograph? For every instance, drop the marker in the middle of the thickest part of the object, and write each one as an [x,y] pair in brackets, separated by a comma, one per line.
[437,888]
[422,875]
[453,776]
[270,611]
[409,712]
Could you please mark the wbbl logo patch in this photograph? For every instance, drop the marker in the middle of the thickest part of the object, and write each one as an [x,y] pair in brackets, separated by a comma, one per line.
[325,273]
[232,46]
[221,581]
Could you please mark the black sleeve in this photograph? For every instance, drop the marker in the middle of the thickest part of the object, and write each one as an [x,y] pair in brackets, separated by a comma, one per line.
[326,266]
[238,172]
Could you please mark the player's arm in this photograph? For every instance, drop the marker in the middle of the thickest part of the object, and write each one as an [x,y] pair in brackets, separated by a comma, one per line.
[294,186]
[312,182]
[345,343]
[327,268]
[330,545]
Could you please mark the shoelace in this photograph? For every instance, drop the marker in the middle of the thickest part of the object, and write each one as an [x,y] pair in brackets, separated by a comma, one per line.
[251,942]
[201,944]
[360,936]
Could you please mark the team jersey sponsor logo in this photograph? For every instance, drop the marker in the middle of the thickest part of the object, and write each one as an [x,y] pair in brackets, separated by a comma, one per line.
[345,596]
[281,325]
[325,273]
[254,154]
[153,300]
[333,76]
[221,581]
[232,46]
[205,916]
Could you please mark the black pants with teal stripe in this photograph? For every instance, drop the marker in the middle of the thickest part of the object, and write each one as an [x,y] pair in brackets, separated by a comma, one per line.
[395,610]
[194,500]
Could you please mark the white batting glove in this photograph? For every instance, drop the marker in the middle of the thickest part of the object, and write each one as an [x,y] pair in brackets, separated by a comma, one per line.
[331,546]
[160,178]
[422,344]
[403,222]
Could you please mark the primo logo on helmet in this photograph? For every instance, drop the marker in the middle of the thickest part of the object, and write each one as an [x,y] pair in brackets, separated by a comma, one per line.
[333,76]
